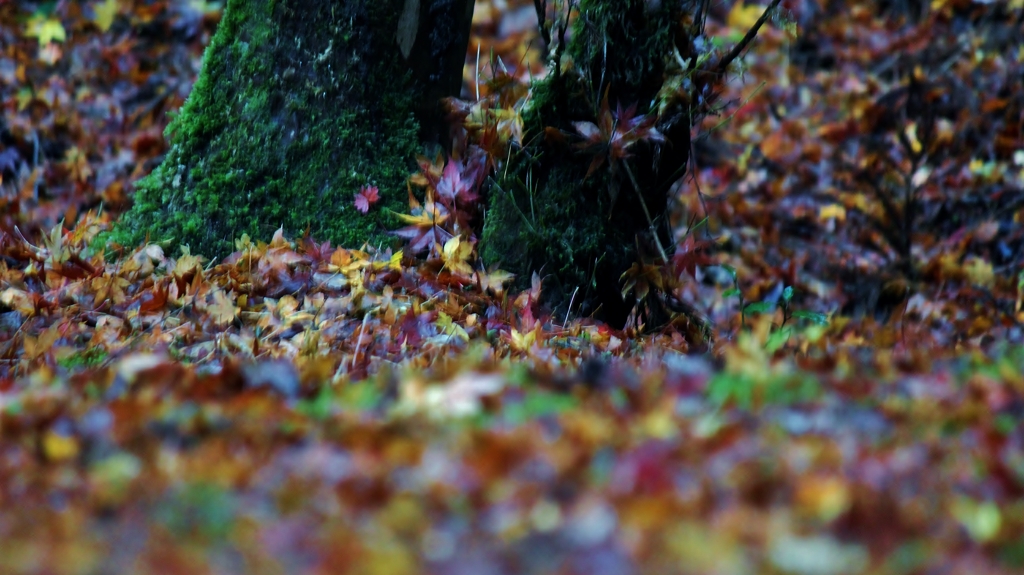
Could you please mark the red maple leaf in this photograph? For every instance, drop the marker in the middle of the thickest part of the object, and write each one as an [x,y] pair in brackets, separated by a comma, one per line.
[690,254]
[613,134]
[317,253]
[366,197]
[460,179]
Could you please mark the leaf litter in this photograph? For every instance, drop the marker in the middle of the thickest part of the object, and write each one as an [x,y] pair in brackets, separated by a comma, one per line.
[851,232]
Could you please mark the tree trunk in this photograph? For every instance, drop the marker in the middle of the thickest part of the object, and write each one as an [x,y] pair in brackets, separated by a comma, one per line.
[582,230]
[299,104]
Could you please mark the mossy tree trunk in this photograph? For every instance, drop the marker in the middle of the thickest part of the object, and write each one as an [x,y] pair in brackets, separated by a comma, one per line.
[580,231]
[302,102]
[299,104]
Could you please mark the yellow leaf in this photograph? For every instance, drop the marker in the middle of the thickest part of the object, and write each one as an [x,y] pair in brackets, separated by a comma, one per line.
[24,98]
[659,424]
[444,321]
[743,17]
[451,247]
[911,133]
[523,341]
[222,309]
[858,201]
[103,14]
[494,281]
[979,272]
[823,497]
[109,287]
[35,347]
[244,243]
[425,218]
[45,29]
[791,29]
[510,124]
[832,211]
[186,264]
[981,520]
[77,163]
[455,254]
[59,447]
[19,301]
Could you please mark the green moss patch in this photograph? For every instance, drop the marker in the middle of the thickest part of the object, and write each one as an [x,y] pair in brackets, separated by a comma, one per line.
[298,105]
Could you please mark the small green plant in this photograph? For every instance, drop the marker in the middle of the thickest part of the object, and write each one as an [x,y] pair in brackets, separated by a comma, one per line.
[87,358]
[747,391]
[780,334]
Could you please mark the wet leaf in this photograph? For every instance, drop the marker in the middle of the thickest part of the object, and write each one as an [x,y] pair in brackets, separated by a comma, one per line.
[45,29]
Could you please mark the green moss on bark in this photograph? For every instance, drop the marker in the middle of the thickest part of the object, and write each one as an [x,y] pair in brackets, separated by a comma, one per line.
[545,215]
[298,105]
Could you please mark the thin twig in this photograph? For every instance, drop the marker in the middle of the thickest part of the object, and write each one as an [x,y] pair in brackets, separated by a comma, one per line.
[643,204]
[557,61]
[723,64]
[545,32]
[569,309]
[359,341]
[476,82]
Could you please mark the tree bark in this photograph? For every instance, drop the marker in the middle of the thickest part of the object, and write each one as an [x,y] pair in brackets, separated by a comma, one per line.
[299,104]
[582,232]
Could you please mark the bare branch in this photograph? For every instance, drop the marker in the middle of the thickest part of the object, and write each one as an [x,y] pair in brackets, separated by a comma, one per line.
[723,64]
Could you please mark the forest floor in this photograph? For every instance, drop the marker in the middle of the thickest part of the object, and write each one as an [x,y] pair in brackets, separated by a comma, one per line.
[851,229]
